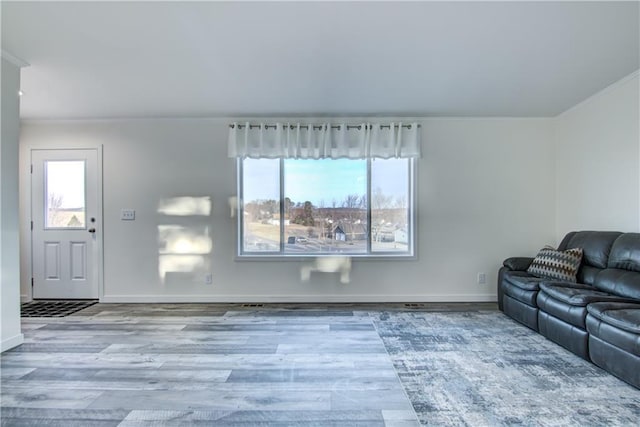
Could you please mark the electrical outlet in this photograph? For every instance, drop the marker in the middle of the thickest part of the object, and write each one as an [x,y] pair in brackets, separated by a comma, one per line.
[127,214]
[482,278]
[208,279]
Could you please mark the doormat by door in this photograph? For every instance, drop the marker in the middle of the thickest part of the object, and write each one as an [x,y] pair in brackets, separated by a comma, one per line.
[57,308]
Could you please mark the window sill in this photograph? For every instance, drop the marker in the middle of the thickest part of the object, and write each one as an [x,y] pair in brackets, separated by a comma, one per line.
[299,258]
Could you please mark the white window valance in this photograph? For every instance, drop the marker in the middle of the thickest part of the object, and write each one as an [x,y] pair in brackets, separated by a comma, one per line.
[327,140]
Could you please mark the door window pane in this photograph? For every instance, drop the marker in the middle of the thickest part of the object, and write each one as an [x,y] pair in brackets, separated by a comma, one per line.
[65,203]
[261,205]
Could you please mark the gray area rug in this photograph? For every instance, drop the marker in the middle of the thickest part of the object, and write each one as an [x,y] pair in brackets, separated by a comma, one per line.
[484,369]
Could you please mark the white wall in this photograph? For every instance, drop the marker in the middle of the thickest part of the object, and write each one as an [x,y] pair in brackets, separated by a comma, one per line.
[598,162]
[9,242]
[478,203]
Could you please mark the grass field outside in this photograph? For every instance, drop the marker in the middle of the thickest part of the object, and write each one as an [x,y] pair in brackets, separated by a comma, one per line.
[261,237]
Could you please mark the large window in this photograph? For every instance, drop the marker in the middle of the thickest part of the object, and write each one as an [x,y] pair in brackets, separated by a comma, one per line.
[311,207]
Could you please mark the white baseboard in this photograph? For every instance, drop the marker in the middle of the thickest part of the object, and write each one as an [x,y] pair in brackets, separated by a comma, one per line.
[11,342]
[296,298]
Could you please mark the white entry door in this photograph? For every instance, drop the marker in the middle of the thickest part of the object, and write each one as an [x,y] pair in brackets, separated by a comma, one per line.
[65,224]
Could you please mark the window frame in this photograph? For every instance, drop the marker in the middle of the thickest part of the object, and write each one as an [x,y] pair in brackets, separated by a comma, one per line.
[281,255]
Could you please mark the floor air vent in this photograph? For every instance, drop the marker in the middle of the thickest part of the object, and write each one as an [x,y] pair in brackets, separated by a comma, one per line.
[414,305]
[253,305]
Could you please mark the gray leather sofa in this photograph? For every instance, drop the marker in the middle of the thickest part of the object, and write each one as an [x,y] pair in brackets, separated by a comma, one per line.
[598,316]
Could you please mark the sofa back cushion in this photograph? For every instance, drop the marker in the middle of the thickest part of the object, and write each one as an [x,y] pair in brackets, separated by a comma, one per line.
[567,239]
[623,283]
[622,275]
[587,274]
[625,252]
[596,246]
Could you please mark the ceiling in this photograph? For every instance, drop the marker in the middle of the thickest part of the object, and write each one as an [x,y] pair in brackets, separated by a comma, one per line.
[222,59]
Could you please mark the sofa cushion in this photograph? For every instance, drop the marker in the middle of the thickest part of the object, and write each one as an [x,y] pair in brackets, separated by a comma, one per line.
[574,294]
[624,316]
[523,280]
[596,246]
[557,265]
[569,301]
[521,286]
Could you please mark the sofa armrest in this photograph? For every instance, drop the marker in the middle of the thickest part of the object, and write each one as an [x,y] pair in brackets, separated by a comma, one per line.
[518,263]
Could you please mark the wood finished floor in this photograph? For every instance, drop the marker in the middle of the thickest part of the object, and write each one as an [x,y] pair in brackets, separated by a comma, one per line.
[206,364]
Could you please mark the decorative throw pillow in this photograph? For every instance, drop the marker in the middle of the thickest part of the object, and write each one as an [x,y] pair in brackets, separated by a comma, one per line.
[557,265]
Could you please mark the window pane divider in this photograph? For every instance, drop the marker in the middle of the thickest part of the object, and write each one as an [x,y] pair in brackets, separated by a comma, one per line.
[240,206]
[281,174]
[369,225]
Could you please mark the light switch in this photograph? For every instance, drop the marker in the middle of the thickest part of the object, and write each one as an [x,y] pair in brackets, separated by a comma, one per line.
[128,214]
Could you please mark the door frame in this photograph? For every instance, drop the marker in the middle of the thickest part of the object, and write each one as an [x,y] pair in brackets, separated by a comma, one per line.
[98,271]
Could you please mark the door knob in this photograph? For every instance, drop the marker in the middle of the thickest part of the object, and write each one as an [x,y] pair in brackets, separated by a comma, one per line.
[92,230]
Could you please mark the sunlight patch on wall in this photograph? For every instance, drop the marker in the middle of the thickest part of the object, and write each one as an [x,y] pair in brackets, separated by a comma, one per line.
[189,265]
[179,239]
[185,206]
[329,264]
[185,250]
